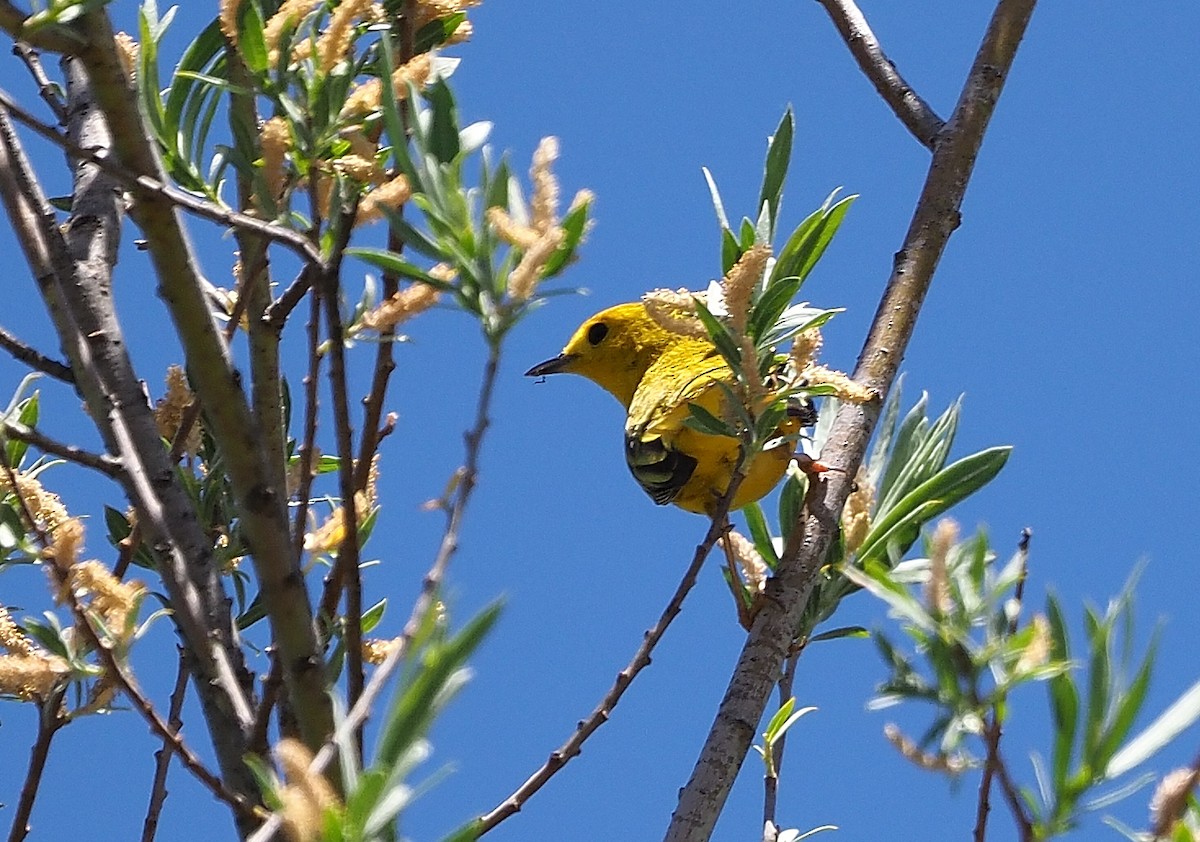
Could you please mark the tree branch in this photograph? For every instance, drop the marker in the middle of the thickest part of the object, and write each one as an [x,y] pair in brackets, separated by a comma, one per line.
[103,463]
[935,218]
[50,720]
[162,757]
[913,111]
[34,359]
[261,504]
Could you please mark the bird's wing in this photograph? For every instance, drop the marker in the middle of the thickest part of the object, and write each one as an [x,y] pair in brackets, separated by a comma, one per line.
[659,407]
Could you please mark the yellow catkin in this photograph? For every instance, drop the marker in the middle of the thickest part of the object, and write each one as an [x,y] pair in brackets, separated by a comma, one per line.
[401,307]
[31,677]
[227,19]
[289,14]
[169,410]
[461,34]
[376,651]
[740,282]
[431,10]
[276,140]
[334,43]
[128,51]
[523,279]
[366,97]
[806,347]
[749,562]
[846,388]
[47,509]
[1037,653]
[361,169]
[544,202]
[675,311]
[937,590]
[115,601]
[856,516]
[511,231]
[307,795]
[390,195]
[65,544]
[953,764]
[12,638]
[1170,800]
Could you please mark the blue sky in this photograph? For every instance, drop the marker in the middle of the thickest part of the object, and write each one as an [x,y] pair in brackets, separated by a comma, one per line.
[1064,309]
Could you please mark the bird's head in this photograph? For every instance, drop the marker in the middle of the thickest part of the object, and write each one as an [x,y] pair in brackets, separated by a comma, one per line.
[613,349]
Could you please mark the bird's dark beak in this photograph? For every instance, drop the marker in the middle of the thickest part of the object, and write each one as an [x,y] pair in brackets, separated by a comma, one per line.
[555,365]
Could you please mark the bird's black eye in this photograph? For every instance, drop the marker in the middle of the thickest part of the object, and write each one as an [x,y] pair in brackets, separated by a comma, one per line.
[597,332]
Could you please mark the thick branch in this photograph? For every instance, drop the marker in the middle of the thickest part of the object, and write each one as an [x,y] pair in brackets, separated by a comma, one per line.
[260,502]
[935,218]
[913,111]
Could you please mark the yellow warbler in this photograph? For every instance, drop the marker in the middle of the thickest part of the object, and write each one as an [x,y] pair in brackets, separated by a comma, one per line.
[655,374]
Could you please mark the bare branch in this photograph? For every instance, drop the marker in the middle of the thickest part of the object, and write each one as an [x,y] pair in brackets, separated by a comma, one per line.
[162,757]
[935,218]
[50,720]
[103,463]
[57,38]
[47,90]
[35,359]
[914,112]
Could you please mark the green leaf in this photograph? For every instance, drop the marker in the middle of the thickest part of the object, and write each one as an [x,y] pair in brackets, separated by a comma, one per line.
[839,633]
[392,118]
[251,44]
[703,421]
[791,500]
[443,130]
[414,704]
[747,235]
[770,306]
[1178,717]
[469,832]
[874,579]
[1099,687]
[730,250]
[779,154]
[760,533]
[809,240]
[721,338]
[1128,705]
[901,523]
[393,263]
[718,205]
[1064,698]
[372,616]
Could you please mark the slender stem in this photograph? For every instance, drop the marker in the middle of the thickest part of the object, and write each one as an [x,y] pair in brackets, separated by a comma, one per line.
[307,452]
[993,764]
[430,586]
[913,111]
[103,463]
[50,720]
[35,359]
[257,741]
[771,782]
[162,757]
[641,659]
[46,89]
[934,219]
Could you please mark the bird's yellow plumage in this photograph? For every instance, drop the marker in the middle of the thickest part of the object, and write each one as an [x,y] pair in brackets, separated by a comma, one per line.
[655,374]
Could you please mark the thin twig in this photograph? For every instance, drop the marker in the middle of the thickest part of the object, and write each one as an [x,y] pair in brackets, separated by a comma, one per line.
[429,587]
[50,720]
[346,570]
[162,757]
[914,112]
[771,782]
[102,462]
[641,659]
[144,184]
[993,764]
[257,742]
[35,359]
[307,447]
[935,217]
[47,90]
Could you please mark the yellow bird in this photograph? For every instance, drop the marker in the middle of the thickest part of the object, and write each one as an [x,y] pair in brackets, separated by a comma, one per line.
[655,374]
